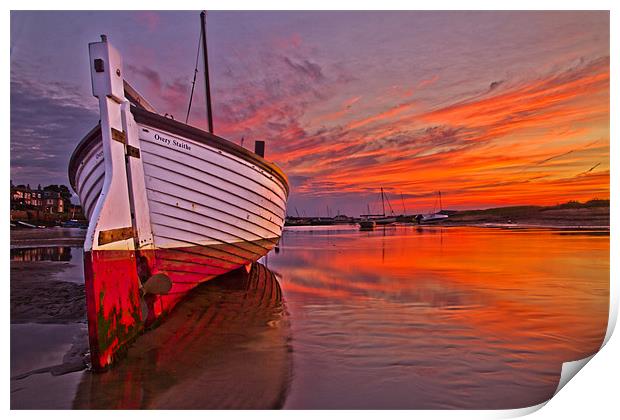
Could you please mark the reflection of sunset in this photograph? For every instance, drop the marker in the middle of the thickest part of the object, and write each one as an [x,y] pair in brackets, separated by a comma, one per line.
[514,303]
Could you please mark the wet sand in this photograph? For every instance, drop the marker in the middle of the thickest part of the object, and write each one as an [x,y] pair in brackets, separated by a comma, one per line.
[47,285]
[38,293]
[46,364]
[49,341]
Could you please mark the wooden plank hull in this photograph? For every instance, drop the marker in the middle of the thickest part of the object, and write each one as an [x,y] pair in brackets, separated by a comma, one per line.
[230,338]
[209,212]
[112,279]
[199,206]
[169,207]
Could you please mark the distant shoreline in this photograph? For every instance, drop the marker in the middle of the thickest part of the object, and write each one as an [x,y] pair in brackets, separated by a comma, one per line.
[574,215]
[506,226]
[54,236]
[595,213]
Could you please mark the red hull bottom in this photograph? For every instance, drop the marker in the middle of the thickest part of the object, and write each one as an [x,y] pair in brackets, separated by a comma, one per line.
[112,303]
[226,345]
[113,295]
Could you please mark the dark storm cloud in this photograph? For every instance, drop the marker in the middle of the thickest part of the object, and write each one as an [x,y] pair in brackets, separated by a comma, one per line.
[298,181]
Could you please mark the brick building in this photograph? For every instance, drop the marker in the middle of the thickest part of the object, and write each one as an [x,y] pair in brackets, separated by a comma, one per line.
[42,199]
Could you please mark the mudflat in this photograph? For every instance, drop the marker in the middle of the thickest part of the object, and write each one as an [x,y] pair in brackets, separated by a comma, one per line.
[49,342]
[38,294]
[46,279]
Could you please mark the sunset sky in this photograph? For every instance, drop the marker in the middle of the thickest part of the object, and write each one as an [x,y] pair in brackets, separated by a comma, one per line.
[491,108]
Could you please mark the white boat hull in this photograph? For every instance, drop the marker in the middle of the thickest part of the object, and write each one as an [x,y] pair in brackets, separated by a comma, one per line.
[203,197]
[434,217]
[164,201]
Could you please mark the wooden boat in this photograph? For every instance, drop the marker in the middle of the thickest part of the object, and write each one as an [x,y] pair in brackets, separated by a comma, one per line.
[226,346]
[169,206]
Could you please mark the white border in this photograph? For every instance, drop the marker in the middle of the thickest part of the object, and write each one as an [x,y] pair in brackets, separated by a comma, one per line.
[593,394]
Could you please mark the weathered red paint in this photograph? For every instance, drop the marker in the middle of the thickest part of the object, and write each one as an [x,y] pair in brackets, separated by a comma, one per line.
[112,302]
[113,296]
[225,345]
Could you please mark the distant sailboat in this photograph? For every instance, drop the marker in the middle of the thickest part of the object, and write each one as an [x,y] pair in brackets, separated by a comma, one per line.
[434,217]
[381,219]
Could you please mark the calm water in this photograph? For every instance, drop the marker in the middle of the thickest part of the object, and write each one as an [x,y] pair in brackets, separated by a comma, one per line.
[401,317]
[439,317]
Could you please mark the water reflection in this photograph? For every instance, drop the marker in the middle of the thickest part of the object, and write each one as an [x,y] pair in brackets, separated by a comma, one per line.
[50,253]
[409,317]
[225,346]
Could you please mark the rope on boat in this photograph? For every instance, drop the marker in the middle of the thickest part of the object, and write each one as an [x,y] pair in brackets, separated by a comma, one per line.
[191,95]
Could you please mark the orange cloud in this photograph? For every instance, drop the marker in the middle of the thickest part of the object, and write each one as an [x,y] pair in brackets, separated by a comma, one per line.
[529,144]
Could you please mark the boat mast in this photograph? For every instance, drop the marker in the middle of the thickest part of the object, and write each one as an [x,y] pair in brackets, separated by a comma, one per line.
[205,56]
[389,205]
[440,204]
[382,201]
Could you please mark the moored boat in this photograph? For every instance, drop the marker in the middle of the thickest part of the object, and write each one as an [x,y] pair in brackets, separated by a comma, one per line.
[231,337]
[367,224]
[434,216]
[169,206]
[381,219]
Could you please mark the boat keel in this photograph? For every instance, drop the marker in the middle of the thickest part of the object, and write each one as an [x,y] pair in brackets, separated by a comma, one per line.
[113,304]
